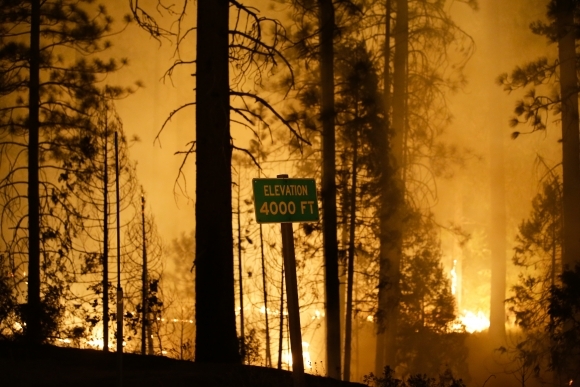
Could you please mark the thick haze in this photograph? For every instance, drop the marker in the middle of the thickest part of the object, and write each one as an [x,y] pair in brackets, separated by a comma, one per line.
[481,110]
[477,109]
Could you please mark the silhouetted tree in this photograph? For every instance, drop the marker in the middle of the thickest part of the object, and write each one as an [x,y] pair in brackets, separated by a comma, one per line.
[415,81]
[329,226]
[91,191]
[46,104]
[538,254]
[428,340]
[535,108]
[564,311]
[250,56]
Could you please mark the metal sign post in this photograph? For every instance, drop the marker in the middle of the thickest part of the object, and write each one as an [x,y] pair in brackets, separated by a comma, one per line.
[286,201]
[293,305]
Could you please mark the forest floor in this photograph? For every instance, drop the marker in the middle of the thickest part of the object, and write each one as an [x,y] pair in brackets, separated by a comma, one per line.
[46,366]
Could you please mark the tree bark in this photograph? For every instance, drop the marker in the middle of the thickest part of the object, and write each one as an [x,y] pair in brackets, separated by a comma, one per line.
[570,150]
[33,312]
[265,293]
[240,279]
[106,236]
[281,333]
[570,139]
[329,224]
[216,339]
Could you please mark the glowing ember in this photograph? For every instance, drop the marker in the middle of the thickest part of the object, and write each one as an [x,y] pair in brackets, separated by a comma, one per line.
[474,322]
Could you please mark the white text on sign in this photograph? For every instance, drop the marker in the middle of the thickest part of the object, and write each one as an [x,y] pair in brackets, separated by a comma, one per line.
[283,208]
[286,190]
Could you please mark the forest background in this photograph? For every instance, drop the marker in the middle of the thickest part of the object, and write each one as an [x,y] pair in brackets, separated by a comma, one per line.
[460,188]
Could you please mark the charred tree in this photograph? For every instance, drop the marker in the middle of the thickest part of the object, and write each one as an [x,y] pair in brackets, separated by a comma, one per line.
[33,309]
[329,222]
[216,339]
[566,32]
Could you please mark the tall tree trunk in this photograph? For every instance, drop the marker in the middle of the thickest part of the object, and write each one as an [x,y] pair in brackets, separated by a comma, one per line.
[351,254]
[281,333]
[497,222]
[33,312]
[342,263]
[330,242]
[265,293]
[392,206]
[384,154]
[497,235]
[216,339]
[144,283]
[570,140]
[570,149]
[106,237]
[240,273]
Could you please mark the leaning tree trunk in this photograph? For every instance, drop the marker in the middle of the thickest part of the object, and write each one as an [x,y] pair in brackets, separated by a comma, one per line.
[33,313]
[216,339]
[392,204]
[329,224]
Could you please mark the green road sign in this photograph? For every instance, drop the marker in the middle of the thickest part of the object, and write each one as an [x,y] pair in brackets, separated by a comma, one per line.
[285,200]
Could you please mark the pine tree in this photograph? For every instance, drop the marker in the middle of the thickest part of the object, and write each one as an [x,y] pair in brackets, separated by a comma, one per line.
[227,61]
[415,81]
[47,99]
[535,108]
[538,254]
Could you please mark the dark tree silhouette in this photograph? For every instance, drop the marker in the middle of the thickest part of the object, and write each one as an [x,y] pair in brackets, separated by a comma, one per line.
[534,109]
[46,105]
[329,226]
[564,311]
[216,339]
[219,91]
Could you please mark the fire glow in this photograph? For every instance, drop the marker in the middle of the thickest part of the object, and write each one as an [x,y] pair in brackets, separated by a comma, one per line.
[287,356]
[473,322]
